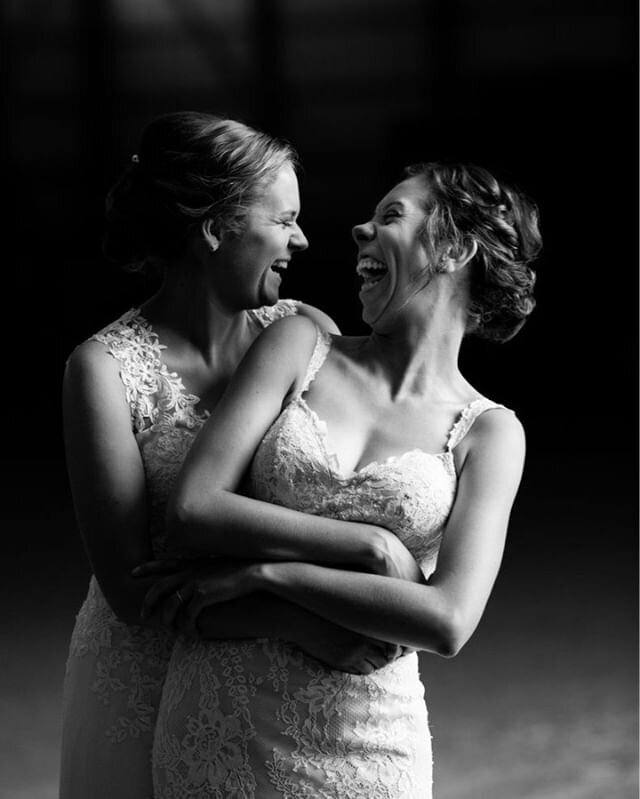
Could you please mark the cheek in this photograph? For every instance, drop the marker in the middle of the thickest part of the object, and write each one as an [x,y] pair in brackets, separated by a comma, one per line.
[263,245]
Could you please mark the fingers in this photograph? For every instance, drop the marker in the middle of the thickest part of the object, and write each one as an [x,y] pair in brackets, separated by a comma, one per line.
[192,609]
[160,589]
[376,655]
[174,605]
[205,593]
[155,567]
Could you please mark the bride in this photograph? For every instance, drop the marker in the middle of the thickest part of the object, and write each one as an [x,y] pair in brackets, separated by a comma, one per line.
[382,431]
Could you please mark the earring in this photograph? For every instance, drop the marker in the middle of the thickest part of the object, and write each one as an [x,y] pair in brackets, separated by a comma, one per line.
[214,244]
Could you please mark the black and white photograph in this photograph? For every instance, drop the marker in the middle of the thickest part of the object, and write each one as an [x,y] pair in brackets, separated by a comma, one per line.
[320,461]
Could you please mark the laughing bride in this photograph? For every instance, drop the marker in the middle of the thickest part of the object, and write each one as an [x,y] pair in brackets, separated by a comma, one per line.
[377,485]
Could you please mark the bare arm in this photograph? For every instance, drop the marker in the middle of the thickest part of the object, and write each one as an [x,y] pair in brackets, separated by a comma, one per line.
[261,615]
[106,476]
[440,616]
[180,599]
[206,516]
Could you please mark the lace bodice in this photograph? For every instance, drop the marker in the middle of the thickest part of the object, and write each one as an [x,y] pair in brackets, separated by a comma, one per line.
[410,494]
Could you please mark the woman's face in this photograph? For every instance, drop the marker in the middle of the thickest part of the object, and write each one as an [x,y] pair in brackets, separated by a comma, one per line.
[392,260]
[257,256]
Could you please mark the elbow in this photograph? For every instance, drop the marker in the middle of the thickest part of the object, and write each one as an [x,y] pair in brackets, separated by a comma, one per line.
[453,634]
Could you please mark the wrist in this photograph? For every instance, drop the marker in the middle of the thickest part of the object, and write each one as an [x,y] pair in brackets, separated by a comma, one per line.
[378,553]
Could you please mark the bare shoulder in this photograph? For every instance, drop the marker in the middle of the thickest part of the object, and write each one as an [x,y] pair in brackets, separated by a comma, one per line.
[90,358]
[282,351]
[323,320]
[496,439]
[291,333]
[498,424]
[92,377]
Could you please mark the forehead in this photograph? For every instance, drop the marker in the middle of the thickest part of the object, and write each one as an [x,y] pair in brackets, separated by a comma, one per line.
[412,193]
[282,193]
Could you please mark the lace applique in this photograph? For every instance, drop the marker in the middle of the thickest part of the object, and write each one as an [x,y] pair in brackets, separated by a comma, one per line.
[267,314]
[155,395]
[130,664]
[318,357]
[467,418]
[264,716]
[210,756]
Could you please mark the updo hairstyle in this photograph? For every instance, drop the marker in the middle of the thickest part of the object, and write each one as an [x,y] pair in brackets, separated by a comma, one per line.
[466,203]
[190,166]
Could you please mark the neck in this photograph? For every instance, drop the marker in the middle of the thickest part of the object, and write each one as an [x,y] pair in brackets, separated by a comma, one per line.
[419,356]
[187,305]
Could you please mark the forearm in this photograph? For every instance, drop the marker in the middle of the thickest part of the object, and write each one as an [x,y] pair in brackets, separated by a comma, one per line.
[262,615]
[224,523]
[257,615]
[389,609]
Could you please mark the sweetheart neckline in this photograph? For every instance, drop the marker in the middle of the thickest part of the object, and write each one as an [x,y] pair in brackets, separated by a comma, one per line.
[321,428]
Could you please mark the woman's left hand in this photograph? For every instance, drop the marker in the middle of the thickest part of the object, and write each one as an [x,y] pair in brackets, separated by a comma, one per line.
[178,598]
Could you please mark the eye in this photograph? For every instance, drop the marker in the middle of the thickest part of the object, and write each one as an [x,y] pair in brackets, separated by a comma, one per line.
[390,215]
[287,222]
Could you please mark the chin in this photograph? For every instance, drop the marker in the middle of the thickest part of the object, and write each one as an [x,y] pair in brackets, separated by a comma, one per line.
[269,298]
[268,291]
[371,315]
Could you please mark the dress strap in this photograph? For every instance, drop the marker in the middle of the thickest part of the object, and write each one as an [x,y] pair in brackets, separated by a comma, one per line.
[152,392]
[467,417]
[318,357]
[267,314]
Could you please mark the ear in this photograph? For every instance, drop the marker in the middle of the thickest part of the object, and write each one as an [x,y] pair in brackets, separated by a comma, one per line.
[209,233]
[454,261]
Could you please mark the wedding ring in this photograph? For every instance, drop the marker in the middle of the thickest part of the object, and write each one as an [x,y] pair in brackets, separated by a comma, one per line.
[179,595]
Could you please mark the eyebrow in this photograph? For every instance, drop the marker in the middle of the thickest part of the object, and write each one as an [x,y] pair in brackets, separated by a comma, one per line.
[387,205]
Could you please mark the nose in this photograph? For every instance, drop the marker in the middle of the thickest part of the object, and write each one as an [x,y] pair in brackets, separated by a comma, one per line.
[363,232]
[298,240]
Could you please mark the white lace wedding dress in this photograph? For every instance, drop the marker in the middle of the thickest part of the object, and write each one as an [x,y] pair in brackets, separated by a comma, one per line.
[115,672]
[260,719]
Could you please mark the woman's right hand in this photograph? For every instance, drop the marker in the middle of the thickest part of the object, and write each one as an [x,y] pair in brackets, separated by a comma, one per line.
[180,592]
[393,559]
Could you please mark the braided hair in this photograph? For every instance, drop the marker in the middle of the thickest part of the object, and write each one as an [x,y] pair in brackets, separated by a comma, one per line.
[465,203]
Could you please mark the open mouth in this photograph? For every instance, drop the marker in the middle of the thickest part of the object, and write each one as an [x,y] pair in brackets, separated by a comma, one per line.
[371,272]
[279,267]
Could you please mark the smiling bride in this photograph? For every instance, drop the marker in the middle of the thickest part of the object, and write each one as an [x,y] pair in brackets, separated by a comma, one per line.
[364,479]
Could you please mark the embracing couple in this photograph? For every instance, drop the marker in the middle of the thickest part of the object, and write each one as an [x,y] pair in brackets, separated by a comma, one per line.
[279,517]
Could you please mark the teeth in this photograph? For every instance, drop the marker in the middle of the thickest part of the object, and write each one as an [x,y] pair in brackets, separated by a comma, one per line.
[280,264]
[367,265]
[371,271]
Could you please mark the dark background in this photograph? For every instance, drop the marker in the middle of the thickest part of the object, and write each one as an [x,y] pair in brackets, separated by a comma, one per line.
[542,703]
